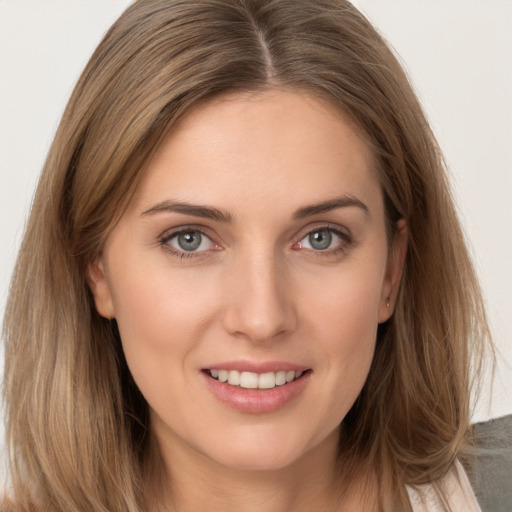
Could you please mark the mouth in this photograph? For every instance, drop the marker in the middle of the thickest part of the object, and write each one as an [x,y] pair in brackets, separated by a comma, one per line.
[252,380]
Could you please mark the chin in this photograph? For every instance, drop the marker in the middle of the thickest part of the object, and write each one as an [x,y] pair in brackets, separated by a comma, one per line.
[258,460]
[264,450]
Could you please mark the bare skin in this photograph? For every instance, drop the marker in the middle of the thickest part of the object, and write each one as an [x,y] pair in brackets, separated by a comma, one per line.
[311,484]
[256,239]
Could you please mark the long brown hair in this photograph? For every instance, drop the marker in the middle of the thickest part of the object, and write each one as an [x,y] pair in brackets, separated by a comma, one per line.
[77,427]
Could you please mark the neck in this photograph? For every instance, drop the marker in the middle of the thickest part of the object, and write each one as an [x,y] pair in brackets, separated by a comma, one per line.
[190,481]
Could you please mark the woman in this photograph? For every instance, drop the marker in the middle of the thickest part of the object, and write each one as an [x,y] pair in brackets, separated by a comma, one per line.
[243,284]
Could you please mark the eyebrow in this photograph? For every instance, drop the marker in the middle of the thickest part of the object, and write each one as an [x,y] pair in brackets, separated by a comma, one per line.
[205,212]
[344,201]
[208,212]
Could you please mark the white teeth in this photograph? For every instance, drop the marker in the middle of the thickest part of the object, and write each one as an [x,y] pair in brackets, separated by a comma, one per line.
[234,378]
[280,378]
[267,380]
[250,380]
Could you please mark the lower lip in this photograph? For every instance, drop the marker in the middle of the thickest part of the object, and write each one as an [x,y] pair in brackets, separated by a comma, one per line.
[256,400]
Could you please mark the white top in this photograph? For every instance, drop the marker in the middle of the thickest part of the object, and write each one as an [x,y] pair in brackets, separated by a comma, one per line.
[458,490]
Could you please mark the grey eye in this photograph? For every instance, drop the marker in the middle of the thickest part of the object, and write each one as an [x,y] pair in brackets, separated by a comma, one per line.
[320,240]
[189,241]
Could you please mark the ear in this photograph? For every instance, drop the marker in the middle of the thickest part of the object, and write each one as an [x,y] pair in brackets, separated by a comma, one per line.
[97,280]
[394,267]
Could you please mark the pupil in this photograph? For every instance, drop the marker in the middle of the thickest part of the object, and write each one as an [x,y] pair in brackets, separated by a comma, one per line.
[320,240]
[189,241]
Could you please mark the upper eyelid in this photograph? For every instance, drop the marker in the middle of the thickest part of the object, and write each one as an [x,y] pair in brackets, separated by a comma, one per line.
[168,235]
[344,239]
[343,232]
[171,232]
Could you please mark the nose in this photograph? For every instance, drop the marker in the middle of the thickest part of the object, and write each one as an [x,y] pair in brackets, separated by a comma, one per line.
[260,304]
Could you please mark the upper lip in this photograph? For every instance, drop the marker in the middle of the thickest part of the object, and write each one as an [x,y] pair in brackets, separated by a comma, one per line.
[256,366]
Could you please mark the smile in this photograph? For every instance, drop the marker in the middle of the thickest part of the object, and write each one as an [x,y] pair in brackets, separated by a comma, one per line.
[260,391]
[251,380]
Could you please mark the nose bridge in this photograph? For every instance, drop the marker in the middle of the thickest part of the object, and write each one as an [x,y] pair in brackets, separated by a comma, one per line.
[259,306]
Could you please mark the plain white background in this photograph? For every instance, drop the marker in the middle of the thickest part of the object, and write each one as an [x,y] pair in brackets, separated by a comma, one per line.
[457,52]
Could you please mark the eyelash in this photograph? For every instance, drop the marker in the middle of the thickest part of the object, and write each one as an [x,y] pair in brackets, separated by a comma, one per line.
[344,244]
[167,237]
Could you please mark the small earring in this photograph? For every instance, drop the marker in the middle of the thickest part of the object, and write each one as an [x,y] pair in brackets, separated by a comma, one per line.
[388,302]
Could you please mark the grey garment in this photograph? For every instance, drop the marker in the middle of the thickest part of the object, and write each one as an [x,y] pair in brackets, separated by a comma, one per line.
[490,471]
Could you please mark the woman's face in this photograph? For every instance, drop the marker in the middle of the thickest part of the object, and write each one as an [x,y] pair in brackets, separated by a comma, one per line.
[255,250]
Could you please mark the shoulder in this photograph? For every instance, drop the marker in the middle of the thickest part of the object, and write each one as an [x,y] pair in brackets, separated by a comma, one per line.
[455,488]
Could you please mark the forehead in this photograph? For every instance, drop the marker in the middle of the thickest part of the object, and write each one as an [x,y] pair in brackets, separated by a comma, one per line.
[260,147]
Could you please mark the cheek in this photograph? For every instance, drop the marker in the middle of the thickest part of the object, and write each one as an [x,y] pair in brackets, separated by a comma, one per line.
[160,315]
[152,302]
[350,330]
[343,321]
[346,302]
